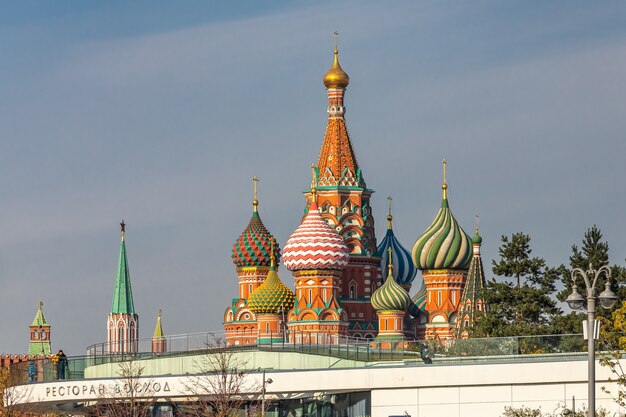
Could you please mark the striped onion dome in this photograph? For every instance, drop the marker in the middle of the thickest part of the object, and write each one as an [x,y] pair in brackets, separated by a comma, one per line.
[444,245]
[390,296]
[253,246]
[315,245]
[403,266]
[272,296]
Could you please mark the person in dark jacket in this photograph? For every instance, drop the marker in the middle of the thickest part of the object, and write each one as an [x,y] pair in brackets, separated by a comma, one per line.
[61,364]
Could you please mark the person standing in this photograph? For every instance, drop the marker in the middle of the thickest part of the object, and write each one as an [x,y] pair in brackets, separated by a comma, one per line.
[61,364]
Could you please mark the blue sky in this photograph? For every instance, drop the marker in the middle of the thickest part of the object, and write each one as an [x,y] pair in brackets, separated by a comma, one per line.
[161,113]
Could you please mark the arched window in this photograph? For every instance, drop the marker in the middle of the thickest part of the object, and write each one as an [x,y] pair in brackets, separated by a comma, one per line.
[43,334]
[352,290]
[36,335]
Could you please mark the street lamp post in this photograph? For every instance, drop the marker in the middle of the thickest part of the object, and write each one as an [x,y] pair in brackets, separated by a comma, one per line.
[576,302]
[265,382]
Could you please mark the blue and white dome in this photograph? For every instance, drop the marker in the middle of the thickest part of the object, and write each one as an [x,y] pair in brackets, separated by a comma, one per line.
[403,265]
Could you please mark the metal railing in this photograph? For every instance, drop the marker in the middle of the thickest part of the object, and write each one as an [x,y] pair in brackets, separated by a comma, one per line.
[368,352]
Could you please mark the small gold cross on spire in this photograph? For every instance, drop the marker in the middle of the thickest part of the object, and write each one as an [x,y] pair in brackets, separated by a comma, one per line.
[389,216]
[477,222]
[160,311]
[444,186]
[272,248]
[336,36]
[313,182]
[255,202]
[123,226]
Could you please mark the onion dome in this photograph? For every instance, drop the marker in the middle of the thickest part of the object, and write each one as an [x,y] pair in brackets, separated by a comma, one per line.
[336,77]
[403,265]
[390,296]
[444,245]
[314,244]
[272,296]
[477,240]
[254,246]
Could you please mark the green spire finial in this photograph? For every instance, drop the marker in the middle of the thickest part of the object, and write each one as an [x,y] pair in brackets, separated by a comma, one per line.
[123,293]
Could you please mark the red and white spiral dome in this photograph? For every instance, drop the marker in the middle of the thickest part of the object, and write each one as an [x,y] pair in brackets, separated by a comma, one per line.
[315,245]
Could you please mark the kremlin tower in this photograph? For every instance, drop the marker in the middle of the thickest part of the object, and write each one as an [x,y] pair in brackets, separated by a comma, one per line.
[252,255]
[122,322]
[159,343]
[39,331]
[443,255]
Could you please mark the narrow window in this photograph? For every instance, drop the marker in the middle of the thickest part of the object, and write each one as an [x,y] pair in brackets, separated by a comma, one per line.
[453,298]
[310,295]
[439,298]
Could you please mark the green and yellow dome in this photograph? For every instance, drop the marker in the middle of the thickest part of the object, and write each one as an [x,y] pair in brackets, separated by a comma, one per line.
[272,296]
[444,245]
[390,296]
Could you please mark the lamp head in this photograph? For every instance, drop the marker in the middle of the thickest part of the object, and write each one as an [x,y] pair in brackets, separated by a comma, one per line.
[575,300]
[607,297]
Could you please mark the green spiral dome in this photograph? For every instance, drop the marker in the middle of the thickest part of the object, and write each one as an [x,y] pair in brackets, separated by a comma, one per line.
[272,296]
[390,296]
[444,245]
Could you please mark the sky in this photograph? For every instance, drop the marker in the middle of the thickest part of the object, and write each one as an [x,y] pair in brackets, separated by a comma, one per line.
[161,113]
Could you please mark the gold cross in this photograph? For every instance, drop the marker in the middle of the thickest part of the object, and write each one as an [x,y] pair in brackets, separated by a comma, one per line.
[336,36]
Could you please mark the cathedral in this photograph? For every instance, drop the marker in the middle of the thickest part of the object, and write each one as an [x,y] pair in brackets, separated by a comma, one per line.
[347,285]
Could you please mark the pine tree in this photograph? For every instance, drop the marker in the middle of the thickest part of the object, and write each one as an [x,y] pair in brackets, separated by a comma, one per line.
[594,252]
[526,306]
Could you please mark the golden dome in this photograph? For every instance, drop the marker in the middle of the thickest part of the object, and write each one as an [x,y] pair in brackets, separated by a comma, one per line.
[336,77]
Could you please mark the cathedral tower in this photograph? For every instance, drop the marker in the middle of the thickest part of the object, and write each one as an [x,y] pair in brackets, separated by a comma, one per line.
[252,253]
[39,331]
[443,254]
[472,303]
[122,322]
[317,256]
[390,301]
[343,200]
[271,302]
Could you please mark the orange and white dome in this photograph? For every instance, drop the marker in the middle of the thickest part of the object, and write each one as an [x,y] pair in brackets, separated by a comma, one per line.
[315,245]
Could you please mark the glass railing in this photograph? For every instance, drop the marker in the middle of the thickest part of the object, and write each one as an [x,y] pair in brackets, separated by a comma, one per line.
[361,352]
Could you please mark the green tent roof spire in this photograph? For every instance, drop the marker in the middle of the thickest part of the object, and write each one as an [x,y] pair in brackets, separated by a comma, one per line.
[40,319]
[123,295]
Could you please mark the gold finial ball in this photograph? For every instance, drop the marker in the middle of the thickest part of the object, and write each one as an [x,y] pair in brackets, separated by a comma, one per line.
[444,186]
[336,77]
[389,218]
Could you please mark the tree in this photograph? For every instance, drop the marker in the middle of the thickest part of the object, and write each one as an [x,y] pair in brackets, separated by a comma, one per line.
[515,260]
[595,252]
[12,402]
[613,344]
[523,309]
[130,396]
[221,383]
